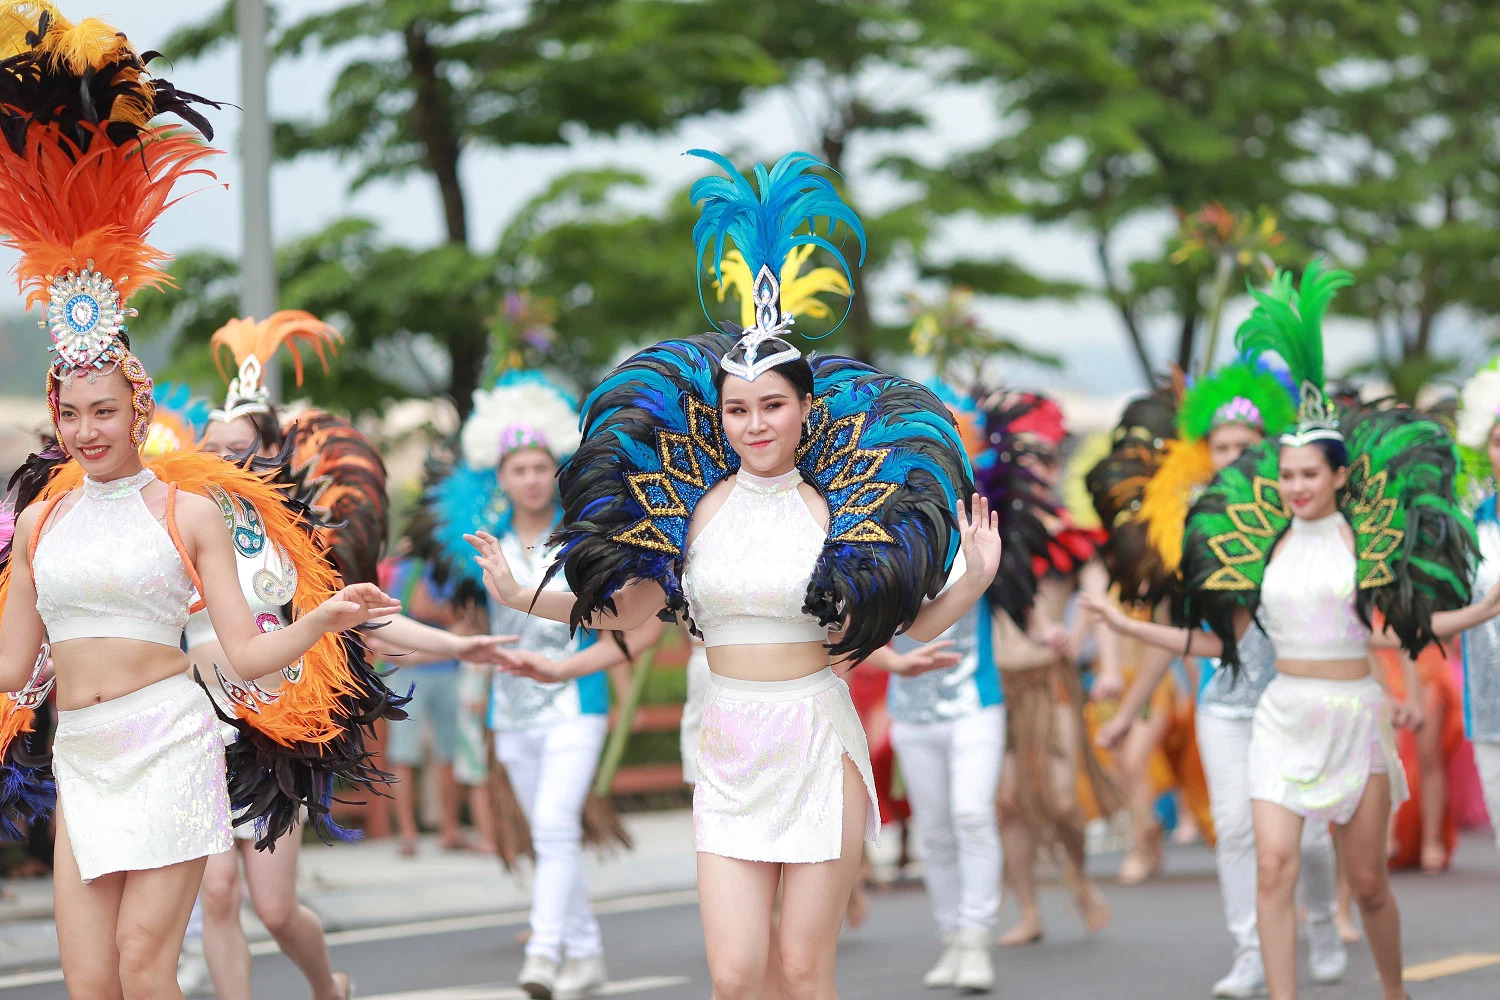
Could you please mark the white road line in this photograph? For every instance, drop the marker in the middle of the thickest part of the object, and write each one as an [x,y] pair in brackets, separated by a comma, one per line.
[449,925]
[616,989]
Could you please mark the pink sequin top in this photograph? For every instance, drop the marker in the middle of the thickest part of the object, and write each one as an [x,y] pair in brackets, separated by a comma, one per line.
[1307,596]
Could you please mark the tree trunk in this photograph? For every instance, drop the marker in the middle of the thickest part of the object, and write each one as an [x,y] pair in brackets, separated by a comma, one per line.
[1187,337]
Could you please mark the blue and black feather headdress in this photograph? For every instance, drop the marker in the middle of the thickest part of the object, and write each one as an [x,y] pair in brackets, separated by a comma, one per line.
[767,222]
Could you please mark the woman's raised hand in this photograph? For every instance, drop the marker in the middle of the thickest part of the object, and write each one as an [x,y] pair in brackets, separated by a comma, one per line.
[498,579]
[355,605]
[979,536]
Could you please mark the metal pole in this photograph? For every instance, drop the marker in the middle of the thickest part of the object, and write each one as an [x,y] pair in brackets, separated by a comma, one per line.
[258,261]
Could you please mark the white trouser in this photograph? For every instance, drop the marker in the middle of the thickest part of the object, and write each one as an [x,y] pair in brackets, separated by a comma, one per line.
[1224,748]
[951,771]
[1487,758]
[551,769]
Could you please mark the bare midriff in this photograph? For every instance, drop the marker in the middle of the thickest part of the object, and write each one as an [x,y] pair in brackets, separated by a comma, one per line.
[90,671]
[776,661]
[1328,670]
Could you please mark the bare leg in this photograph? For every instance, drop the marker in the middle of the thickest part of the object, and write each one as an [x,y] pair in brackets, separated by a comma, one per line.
[1343,916]
[404,792]
[484,819]
[86,921]
[735,901]
[225,948]
[272,877]
[1434,776]
[154,910]
[1364,843]
[1093,909]
[451,795]
[1018,845]
[1278,856]
[1144,857]
[815,899]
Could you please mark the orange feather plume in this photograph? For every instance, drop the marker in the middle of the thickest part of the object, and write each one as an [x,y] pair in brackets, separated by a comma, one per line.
[1185,469]
[293,328]
[63,208]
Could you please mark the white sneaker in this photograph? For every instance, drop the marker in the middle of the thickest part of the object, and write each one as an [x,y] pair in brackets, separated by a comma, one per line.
[1247,977]
[976,970]
[538,977]
[192,974]
[580,977]
[1327,958]
[942,975]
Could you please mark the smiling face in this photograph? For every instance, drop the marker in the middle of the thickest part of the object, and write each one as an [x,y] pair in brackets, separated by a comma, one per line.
[1227,442]
[763,422]
[529,479]
[233,438]
[1308,483]
[94,421]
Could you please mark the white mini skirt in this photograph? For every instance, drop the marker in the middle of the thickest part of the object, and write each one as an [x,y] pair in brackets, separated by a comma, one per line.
[771,769]
[140,779]
[1314,744]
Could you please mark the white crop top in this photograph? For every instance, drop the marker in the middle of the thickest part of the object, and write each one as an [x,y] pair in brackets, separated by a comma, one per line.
[109,570]
[747,572]
[1307,595]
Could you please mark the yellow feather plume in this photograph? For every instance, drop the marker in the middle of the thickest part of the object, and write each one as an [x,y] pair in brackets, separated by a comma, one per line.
[798,291]
[1184,471]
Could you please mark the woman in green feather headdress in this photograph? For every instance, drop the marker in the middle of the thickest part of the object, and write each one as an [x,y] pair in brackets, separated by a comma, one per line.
[1309,534]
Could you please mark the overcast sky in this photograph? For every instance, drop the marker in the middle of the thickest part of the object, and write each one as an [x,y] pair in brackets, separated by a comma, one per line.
[308,193]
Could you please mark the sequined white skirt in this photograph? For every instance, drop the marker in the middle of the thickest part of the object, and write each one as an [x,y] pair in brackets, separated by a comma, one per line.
[771,769]
[1314,744]
[140,779]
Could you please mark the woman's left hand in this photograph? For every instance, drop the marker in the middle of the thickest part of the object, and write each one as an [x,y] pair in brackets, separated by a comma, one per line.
[488,649]
[355,605]
[979,537]
[1407,715]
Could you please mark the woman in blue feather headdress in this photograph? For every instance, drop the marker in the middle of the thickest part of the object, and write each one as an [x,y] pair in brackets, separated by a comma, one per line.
[797,513]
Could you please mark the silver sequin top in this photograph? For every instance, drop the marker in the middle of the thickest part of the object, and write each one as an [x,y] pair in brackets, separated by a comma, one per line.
[1227,697]
[108,569]
[1307,595]
[1482,646]
[747,572]
[520,702]
[956,692]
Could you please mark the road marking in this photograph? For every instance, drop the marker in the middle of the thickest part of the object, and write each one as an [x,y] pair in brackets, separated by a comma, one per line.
[390,932]
[1451,966]
[494,992]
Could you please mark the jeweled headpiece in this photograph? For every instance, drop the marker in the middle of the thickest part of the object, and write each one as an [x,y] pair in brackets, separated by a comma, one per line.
[522,410]
[83,177]
[254,345]
[1239,393]
[1288,322]
[765,221]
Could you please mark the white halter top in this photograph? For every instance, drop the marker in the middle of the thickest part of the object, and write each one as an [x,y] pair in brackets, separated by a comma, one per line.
[1307,595]
[747,572]
[109,570]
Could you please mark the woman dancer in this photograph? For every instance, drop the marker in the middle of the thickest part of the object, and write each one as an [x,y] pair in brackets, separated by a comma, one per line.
[348,469]
[687,495]
[1221,416]
[106,569]
[1045,740]
[1271,535]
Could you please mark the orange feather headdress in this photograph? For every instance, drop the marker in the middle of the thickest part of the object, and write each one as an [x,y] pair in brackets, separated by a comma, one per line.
[83,178]
[253,345]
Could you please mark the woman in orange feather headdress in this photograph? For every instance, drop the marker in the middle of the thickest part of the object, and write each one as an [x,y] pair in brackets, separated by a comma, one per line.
[109,555]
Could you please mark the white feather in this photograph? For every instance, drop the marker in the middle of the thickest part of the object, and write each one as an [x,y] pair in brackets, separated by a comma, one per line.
[1479,406]
[530,404]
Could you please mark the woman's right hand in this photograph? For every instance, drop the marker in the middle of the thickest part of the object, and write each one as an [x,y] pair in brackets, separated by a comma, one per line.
[1112,734]
[1102,609]
[925,659]
[498,579]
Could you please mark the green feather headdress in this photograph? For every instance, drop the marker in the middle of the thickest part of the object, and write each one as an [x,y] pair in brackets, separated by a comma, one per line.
[1288,322]
[1241,392]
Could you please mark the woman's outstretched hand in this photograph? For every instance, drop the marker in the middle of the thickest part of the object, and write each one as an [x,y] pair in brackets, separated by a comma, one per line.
[1102,610]
[355,605]
[498,579]
[979,536]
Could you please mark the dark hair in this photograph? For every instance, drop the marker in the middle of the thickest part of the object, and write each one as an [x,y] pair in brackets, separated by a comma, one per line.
[267,428]
[1335,452]
[797,371]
